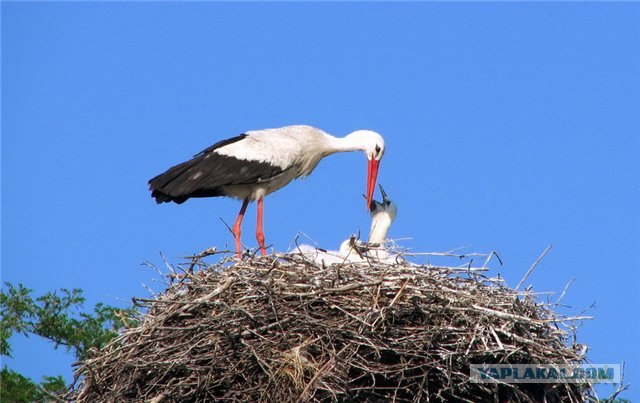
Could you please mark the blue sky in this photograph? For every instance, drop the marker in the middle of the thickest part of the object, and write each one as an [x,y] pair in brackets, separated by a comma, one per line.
[509,127]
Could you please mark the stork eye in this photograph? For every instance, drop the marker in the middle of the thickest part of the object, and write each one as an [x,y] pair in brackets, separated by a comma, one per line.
[377,149]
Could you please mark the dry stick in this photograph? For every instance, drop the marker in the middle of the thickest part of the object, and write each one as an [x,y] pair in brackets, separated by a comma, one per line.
[266,327]
[532,268]
[495,336]
[154,268]
[216,292]
[334,290]
[399,293]
[566,287]
[321,372]
[158,398]
[197,259]
[165,261]
[491,254]
[621,388]
[505,315]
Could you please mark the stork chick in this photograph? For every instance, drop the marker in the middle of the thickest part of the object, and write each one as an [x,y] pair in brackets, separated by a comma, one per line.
[351,250]
[382,216]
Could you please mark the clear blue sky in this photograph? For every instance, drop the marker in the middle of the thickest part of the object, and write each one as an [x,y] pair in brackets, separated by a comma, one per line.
[509,127]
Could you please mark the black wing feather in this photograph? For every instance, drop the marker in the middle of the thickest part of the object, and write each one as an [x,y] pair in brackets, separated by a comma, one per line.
[206,174]
[222,143]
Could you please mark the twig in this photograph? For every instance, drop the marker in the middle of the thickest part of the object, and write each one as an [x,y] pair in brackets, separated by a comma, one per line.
[566,287]
[532,268]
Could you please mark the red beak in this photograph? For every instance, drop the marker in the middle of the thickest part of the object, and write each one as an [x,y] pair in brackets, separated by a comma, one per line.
[372,176]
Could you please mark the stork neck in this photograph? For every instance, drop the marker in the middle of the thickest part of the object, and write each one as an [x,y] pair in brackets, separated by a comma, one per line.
[343,144]
[379,228]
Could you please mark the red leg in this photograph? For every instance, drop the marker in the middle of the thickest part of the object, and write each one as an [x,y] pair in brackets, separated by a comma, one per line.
[237,228]
[259,231]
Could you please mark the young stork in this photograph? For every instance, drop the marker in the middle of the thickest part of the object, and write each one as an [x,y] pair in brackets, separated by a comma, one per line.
[382,216]
[257,163]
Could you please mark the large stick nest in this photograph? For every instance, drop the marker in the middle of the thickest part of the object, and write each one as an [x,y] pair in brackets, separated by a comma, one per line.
[282,329]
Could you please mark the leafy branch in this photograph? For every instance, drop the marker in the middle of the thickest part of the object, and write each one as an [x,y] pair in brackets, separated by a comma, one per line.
[57,316]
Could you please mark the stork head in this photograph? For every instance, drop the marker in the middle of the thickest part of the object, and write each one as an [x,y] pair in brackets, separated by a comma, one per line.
[382,216]
[386,206]
[372,144]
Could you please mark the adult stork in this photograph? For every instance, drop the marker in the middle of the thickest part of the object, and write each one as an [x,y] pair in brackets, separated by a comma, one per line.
[257,163]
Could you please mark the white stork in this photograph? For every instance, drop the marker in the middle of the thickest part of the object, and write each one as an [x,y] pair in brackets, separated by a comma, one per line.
[256,163]
[382,216]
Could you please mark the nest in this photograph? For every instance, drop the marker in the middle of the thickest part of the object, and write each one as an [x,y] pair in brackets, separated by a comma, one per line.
[283,329]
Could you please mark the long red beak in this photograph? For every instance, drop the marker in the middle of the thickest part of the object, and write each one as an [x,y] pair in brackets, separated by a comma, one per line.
[372,176]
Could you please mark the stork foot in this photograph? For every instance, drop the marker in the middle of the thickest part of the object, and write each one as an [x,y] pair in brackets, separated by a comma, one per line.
[237,228]
[238,246]
[259,230]
[260,239]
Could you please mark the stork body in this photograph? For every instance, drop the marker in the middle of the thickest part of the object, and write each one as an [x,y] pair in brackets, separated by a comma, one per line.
[257,163]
